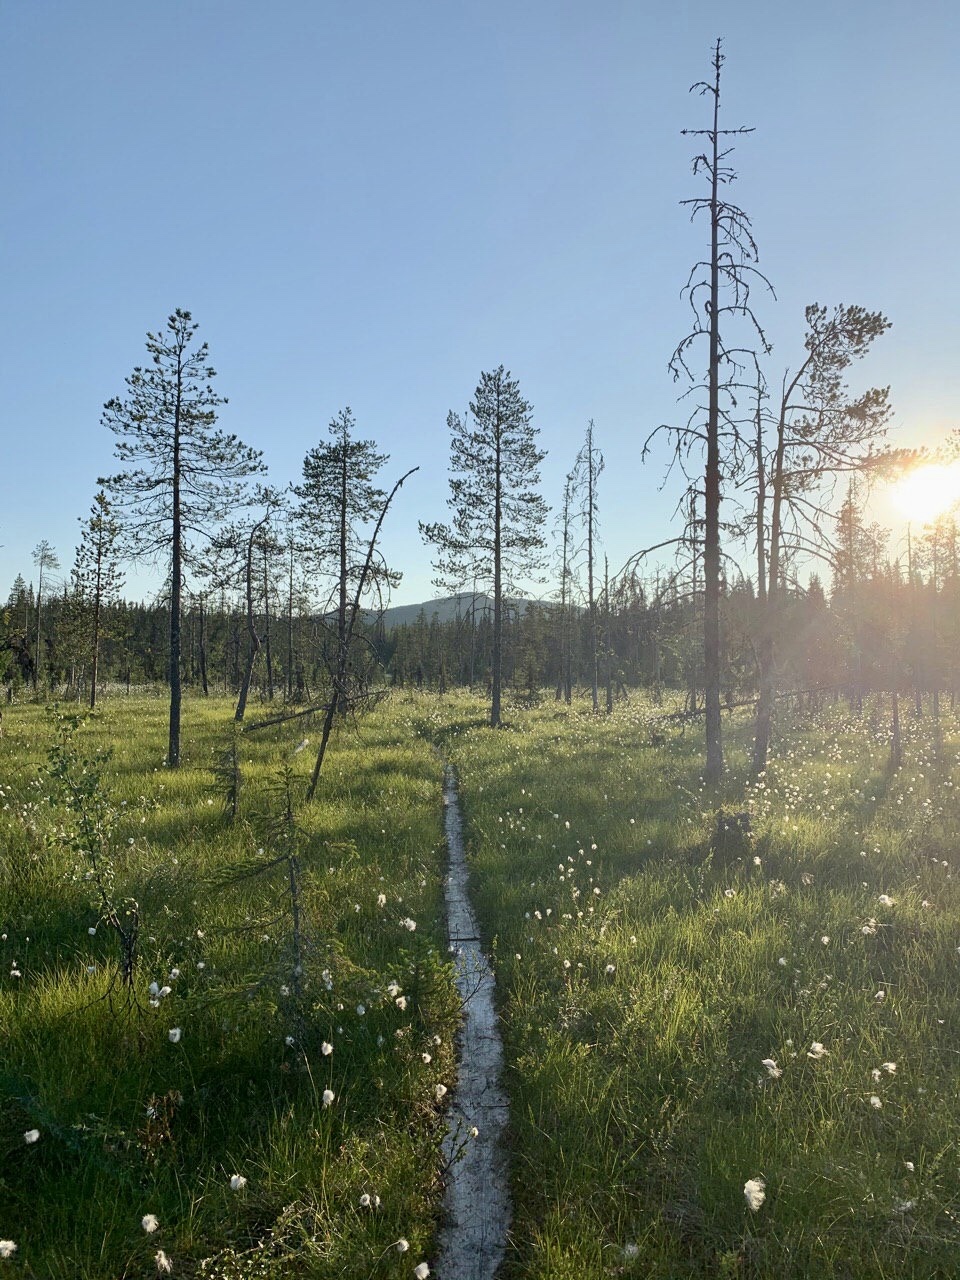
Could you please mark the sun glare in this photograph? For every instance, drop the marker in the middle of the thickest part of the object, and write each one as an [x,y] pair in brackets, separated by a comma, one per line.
[926,493]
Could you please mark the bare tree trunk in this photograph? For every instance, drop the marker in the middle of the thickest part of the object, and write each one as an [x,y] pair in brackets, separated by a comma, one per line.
[268,650]
[497,671]
[608,653]
[253,640]
[176,588]
[711,525]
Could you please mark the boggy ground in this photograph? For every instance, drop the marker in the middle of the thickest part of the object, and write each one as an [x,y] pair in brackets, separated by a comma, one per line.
[683,1016]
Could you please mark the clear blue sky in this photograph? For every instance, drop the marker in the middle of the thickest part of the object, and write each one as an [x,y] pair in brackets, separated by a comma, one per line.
[368,203]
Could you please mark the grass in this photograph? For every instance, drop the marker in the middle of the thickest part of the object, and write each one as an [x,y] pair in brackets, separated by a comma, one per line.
[645,971]
[646,968]
[134,1120]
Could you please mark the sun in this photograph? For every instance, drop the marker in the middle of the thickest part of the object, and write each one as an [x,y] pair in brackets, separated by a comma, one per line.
[926,493]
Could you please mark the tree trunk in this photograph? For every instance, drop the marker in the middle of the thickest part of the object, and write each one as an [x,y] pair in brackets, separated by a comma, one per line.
[202,652]
[176,587]
[711,525]
[253,640]
[497,672]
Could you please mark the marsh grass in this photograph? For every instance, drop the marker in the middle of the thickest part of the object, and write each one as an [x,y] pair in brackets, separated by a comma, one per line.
[136,1119]
[646,967]
[646,970]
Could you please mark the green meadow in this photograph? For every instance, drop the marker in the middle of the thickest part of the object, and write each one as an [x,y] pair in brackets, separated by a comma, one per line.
[730,1051]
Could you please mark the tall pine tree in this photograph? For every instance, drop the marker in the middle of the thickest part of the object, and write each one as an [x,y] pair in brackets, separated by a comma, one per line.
[496,534]
[182,476]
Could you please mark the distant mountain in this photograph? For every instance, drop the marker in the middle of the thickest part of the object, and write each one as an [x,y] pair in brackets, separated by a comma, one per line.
[445,609]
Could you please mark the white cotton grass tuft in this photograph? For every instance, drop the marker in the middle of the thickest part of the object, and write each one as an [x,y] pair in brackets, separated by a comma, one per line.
[149,1222]
[773,1071]
[174,1034]
[402,1245]
[886,901]
[328,1097]
[31,1136]
[164,1265]
[237,1182]
[421,1271]
[755,1192]
[7,1248]
[817,1051]
[326,1048]
[440,1092]
[875,1102]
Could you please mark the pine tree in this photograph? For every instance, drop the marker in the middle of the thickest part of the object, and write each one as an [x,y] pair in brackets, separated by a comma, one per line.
[183,476]
[96,576]
[46,560]
[338,503]
[495,535]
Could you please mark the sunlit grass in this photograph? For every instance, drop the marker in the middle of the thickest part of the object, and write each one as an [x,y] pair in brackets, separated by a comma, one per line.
[151,1108]
[646,971]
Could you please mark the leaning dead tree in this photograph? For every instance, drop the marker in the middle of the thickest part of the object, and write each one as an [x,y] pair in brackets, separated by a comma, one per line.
[342,692]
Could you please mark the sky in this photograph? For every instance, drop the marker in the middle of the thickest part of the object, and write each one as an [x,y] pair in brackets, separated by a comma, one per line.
[367,203]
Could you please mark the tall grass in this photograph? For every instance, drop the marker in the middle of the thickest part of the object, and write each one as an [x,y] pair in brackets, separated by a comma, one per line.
[149,1100]
[647,968]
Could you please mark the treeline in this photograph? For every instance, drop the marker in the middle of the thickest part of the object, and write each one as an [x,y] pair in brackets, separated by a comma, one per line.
[881,626]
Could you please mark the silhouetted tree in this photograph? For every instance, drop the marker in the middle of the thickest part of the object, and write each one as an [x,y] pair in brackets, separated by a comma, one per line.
[496,534]
[183,476]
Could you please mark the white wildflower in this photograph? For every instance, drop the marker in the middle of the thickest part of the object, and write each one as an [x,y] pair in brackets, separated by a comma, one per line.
[754,1190]
[149,1222]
